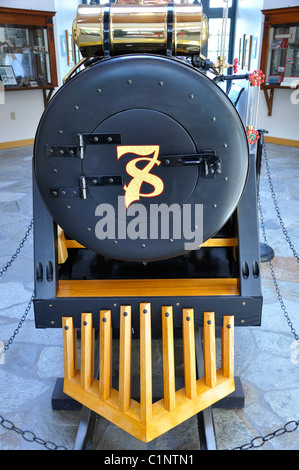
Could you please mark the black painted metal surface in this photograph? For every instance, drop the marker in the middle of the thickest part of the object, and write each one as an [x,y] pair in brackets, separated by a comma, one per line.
[148,101]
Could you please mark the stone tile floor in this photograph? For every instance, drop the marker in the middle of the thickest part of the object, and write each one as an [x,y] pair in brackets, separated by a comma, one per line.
[266,357]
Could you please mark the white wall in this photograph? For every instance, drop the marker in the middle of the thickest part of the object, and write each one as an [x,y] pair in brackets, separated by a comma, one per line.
[65,14]
[284,122]
[28,106]
[280,4]
[46,5]
[249,21]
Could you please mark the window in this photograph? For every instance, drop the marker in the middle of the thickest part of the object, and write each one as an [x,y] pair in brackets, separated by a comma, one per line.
[215,32]
[283,54]
[219,3]
[213,9]
[24,54]
[280,51]
[27,51]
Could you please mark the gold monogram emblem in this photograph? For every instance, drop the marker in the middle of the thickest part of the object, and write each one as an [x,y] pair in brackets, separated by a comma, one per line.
[140,176]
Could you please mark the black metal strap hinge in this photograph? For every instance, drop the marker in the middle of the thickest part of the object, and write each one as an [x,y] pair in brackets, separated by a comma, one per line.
[82,140]
[84,183]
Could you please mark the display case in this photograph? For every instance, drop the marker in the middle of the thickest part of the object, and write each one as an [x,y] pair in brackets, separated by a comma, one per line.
[27,50]
[280,51]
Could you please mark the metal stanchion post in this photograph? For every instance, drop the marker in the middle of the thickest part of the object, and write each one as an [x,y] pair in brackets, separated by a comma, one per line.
[266,252]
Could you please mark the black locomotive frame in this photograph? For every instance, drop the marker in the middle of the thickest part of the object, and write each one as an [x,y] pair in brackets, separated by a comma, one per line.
[246,306]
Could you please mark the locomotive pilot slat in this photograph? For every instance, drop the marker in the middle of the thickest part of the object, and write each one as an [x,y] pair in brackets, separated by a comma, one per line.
[146,419]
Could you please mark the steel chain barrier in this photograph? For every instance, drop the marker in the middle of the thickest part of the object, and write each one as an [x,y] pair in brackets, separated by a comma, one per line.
[273,195]
[257,441]
[285,232]
[279,296]
[17,252]
[28,436]
[20,324]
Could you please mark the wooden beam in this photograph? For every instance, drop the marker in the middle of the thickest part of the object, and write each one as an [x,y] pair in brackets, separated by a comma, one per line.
[212,242]
[105,354]
[73,244]
[220,242]
[69,347]
[281,141]
[209,348]
[145,364]
[87,351]
[269,99]
[16,143]
[125,340]
[189,353]
[148,287]
[61,246]
[168,358]
[227,346]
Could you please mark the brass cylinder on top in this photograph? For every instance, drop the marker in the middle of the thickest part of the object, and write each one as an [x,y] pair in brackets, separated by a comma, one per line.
[158,28]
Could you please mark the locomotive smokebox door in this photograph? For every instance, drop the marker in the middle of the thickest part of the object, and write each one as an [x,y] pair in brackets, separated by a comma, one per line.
[126,145]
